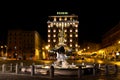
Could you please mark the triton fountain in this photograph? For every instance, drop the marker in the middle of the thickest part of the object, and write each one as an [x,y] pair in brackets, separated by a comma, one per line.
[62,67]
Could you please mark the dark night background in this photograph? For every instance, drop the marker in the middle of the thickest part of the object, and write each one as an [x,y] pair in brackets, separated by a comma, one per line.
[95,17]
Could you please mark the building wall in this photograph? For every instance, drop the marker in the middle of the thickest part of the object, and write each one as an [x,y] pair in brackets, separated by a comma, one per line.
[70,25]
[23,43]
[110,45]
[111,37]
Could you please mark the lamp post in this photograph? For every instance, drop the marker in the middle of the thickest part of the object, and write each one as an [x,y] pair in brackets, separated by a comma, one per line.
[46,50]
[6,50]
[2,51]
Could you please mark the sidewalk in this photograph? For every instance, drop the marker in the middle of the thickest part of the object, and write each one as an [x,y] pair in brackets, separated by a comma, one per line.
[4,76]
[13,76]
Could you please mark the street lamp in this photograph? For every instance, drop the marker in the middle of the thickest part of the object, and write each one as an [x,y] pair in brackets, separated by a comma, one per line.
[6,50]
[2,51]
[46,50]
[118,42]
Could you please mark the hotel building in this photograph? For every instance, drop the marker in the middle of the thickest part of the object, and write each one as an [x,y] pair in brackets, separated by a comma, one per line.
[69,25]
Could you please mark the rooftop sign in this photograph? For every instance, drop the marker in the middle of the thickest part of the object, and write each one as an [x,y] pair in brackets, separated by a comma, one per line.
[62,12]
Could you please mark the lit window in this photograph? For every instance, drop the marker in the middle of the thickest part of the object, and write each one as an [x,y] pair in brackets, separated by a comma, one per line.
[68,24]
[59,24]
[60,19]
[70,40]
[59,30]
[73,23]
[48,40]
[88,47]
[54,30]
[65,18]
[48,45]
[70,45]
[76,25]
[76,45]
[54,35]
[76,49]
[54,19]
[76,30]
[65,24]
[76,35]
[70,35]
[70,30]
[54,40]
[54,23]
[48,35]
[65,40]
[65,30]
[48,30]
[49,26]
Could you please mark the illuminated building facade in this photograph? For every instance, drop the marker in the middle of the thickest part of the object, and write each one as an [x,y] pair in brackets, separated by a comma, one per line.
[111,37]
[24,44]
[69,23]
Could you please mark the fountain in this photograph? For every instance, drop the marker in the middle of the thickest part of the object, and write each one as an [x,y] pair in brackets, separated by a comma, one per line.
[62,67]
[61,61]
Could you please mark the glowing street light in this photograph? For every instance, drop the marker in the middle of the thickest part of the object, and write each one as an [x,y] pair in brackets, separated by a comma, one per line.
[6,50]
[1,50]
[118,42]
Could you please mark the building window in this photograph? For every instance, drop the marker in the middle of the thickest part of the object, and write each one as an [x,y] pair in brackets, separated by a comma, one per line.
[54,35]
[76,35]
[65,18]
[54,18]
[70,45]
[48,40]
[71,30]
[70,35]
[49,35]
[76,30]
[70,40]
[76,25]
[54,30]
[65,30]
[76,45]
[60,19]
[54,40]
[48,30]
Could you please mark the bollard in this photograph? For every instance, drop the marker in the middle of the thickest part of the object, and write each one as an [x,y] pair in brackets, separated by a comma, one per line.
[11,67]
[79,72]
[94,69]
[116,69]
[17,69]
[3,68]
[21,64]
[106,69]
[51,72]
[99,66]
[32,70]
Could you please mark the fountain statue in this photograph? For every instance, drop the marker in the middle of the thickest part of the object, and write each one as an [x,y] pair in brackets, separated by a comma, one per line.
[61,61]
[61,58]
[61,37]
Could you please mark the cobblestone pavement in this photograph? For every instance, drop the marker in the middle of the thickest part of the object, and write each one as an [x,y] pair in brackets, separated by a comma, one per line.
[29,77]
[4,76]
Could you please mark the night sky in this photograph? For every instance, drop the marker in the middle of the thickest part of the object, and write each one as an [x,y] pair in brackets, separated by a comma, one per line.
[95,17]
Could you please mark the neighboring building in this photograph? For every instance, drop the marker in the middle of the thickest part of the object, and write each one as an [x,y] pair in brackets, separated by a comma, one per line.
[110,47]
[69,23]
[24,44]
[111,37]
